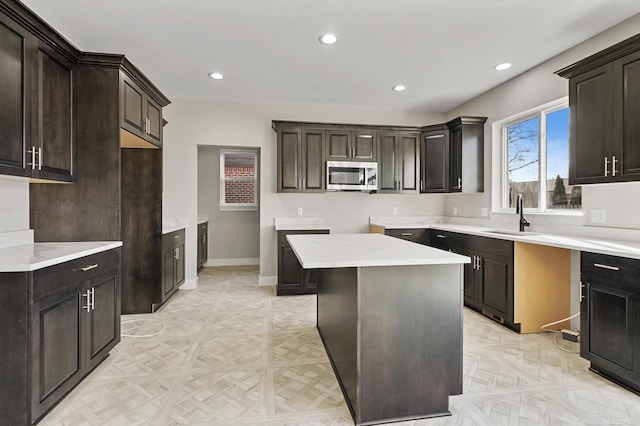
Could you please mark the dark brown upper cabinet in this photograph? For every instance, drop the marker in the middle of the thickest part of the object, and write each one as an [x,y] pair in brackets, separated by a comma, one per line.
[141,115]
[36,112]
[398,161]
[452,156]
[466,153]
[604,103]
[351,145]
[434,159]
[300,159]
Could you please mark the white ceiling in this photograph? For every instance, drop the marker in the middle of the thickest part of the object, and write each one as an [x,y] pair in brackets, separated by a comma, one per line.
[444,51]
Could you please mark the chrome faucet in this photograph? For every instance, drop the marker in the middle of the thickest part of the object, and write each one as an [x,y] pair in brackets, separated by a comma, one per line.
[520,211]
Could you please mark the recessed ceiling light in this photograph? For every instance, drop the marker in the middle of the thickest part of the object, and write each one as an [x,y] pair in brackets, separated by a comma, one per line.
[503,66]
[328,38]
[399,88]
[216,75]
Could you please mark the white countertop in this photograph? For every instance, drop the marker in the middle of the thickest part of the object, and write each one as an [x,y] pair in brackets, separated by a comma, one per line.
[628,249]
[30,257]
[356,250]
[299,224]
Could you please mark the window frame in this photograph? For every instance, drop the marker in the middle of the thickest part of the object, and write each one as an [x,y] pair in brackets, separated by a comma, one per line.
[224,206]
[500,203]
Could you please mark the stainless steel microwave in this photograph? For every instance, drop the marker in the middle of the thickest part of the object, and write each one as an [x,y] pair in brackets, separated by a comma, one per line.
[352,176]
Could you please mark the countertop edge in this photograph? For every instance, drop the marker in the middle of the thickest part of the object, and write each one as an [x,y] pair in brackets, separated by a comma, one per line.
[82,251]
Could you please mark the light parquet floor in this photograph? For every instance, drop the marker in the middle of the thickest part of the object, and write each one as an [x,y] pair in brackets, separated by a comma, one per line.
[232,353]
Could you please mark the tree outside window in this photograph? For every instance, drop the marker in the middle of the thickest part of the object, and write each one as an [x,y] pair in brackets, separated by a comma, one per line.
[537,161]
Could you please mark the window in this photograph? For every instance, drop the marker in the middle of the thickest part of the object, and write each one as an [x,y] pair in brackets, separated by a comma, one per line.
[238,180]
[535,161]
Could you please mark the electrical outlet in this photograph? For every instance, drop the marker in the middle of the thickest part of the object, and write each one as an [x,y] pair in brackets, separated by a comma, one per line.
[299,211]
[455,211]
[598,216]
[395,211]
[484,212]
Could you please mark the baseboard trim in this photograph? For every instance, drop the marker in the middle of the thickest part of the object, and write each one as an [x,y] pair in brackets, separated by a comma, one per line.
[267,280]
[189,284]
[233,261]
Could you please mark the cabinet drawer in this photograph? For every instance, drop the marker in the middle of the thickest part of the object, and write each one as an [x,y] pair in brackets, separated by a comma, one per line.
[67,275]
[613,267]
[173,239]
[443,239]
[417,235]
[488,245]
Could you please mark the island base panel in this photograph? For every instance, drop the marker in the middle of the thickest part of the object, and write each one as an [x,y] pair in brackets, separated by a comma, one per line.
[337,324]
[394,337]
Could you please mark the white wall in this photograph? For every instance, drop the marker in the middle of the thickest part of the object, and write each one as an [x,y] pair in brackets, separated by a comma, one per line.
[14,207]
[540,85]
[234,236]
[193,123]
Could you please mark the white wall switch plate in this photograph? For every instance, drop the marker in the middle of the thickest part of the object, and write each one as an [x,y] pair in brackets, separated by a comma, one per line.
[598,216]
[455,211]
[484,212]
[299,211]
[395,211]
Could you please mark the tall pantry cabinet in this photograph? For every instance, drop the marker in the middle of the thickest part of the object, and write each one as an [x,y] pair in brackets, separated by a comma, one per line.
[118,189]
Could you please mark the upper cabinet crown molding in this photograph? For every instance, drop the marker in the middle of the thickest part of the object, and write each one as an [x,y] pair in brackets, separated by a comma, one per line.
[36,26]
[603,57]
[107,60]
[279,124]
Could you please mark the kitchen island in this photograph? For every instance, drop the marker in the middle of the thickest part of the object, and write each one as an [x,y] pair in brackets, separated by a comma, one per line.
[390,318]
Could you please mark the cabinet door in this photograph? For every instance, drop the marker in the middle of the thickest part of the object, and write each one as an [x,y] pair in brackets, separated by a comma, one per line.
[179,269]
[338,145]
[312,161]
[13,48]
[363,146]
[408,161]
[434,164]
[132,107]
[289,176]
[591,126]
[153,128]
[53,126]
[56,349]
[288,271]
[103,322]
[611,324]
[471,278]
[455,160]
[387,162]
[168,272]
[627,89]
[496,285]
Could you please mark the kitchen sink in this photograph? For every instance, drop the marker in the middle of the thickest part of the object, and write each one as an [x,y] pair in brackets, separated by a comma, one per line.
[508,232]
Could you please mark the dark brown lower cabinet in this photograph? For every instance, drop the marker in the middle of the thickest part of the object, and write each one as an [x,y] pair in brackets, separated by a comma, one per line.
[610,317]
[489,278]
[60,323]
[292,279]
[203,244]
[172,265]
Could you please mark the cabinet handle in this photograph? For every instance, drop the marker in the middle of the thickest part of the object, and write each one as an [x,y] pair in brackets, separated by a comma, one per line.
[88,268]
[176,236]
[40,158]
[406,234]
[459,183]
[90,295]
[434,136]
[606,166]
[33,158]
[613,165]
[609,267]
[176,253]
[581,287]
[93,298]
[440,236]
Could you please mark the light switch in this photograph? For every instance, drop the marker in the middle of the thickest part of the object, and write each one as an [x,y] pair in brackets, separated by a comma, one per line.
[299,211]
